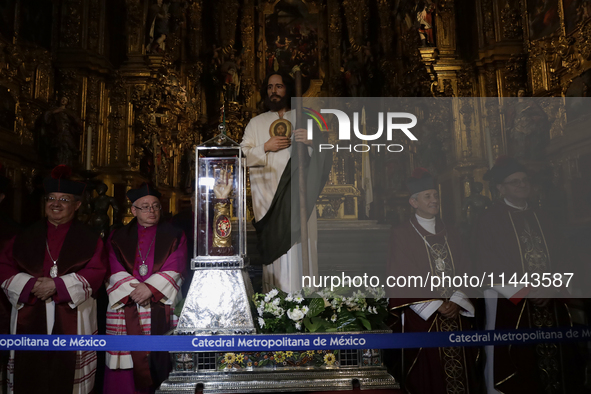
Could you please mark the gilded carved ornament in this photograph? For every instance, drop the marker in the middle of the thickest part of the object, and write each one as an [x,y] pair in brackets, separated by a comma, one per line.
[492,120]
[467,112]
[247,88]
[466,78]
[43,82]
[165,116]
[558,112]
[491,82]
[515,74]
[571,52]
[12,58]
[584,40]
[117,127]
[511,20]
[559,57]
[334,24]
[24,132]
[537,70]
[70,87]
[29,112]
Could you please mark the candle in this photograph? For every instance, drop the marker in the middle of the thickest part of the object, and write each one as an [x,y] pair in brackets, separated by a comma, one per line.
[88,147]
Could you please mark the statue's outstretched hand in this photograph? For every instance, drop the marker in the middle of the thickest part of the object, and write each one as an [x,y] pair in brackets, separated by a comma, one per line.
[223,185]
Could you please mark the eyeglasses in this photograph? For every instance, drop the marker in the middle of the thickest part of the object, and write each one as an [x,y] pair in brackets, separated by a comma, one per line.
[62,200]
[517,182]
[147,208]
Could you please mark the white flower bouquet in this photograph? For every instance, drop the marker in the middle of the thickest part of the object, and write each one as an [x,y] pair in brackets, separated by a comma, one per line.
[321,311]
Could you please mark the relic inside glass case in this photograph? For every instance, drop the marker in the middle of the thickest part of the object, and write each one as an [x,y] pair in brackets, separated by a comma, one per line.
[221,205]
[218,299]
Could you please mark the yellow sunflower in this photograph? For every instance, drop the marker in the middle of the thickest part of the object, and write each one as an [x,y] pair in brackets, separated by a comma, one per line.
[239,357]
[249,364]
[329,359]
[310,352]
[279,357]
[229,358]
[289,353]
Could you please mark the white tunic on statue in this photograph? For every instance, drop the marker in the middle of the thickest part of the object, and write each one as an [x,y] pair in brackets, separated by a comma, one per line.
[266,169]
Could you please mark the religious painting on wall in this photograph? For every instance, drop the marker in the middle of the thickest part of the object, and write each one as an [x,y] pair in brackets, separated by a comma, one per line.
[575,12]
[291,34]
[543,18]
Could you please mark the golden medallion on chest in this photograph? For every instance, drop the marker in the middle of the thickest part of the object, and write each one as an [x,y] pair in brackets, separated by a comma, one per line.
[280,128]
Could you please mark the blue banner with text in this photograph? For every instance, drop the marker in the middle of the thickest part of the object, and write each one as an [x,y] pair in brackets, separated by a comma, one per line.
[321,341]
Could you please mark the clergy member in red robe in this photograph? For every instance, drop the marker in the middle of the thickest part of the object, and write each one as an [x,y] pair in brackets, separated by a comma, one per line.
[513,237]
[147,259]
[421,245]
[51,273]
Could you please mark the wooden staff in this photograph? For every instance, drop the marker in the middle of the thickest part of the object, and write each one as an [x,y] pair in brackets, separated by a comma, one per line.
[302,152]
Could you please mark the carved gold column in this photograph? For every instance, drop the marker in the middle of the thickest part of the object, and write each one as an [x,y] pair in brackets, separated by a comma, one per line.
[248,85]
[115,151]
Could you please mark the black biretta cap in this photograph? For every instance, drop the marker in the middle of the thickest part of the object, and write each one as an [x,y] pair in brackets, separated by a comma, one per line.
[503,167]
[420,180]
[145,189]
[60,182]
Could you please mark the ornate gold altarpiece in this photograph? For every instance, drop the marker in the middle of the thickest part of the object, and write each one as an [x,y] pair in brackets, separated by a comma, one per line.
[147,101]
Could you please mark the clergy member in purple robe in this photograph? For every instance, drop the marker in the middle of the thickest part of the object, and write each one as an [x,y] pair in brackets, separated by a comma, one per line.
[51,273]
[147,260]
[514,237]
[425,244]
